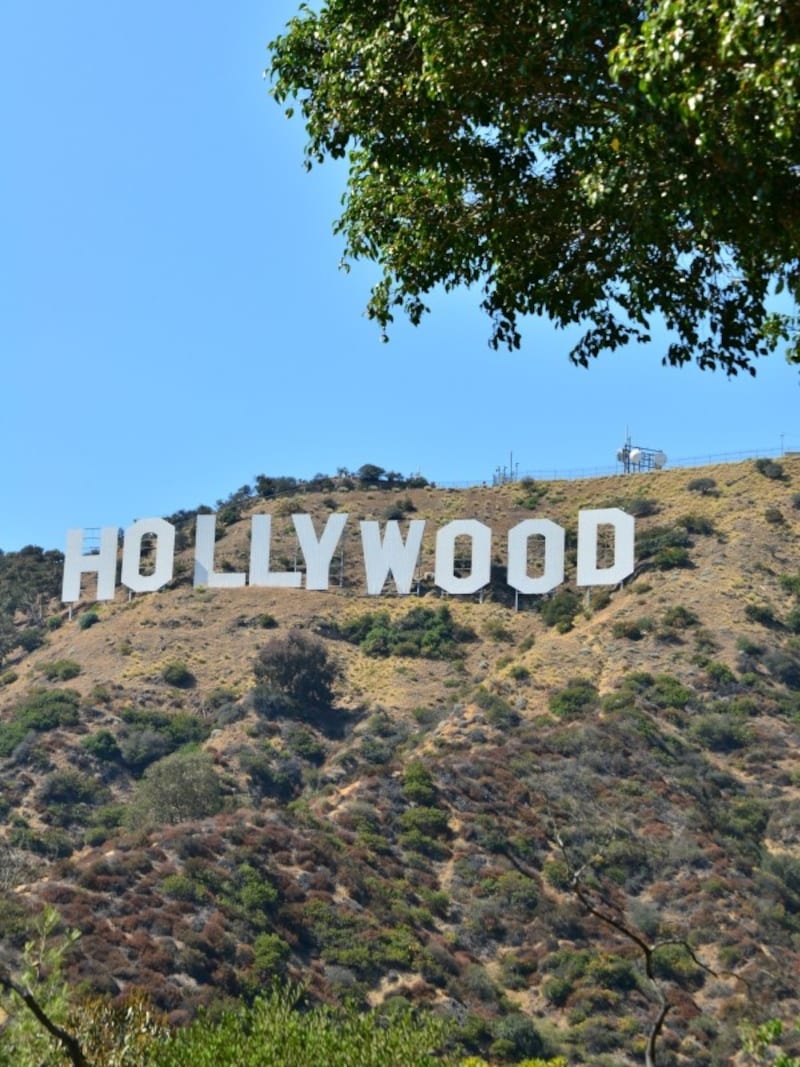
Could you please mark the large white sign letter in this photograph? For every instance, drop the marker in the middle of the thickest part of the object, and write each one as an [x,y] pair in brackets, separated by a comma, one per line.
[164,533]
[589,523]
[102,563]
[318,553]
[390,554]
[480,556]
[553,571]
[204,573]
[260,544]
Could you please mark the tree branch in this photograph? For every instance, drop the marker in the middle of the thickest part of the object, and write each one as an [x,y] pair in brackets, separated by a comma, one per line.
[69,1041]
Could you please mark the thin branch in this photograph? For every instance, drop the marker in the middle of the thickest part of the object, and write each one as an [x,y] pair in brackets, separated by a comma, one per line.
[69,1041]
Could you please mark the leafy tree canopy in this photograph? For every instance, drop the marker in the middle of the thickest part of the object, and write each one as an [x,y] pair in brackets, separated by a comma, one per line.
[606,163]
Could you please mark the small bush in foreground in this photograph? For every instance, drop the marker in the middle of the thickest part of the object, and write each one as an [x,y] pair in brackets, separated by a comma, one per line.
[273,1033]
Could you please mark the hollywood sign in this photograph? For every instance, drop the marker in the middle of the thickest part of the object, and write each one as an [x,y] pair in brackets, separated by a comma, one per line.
[385,553]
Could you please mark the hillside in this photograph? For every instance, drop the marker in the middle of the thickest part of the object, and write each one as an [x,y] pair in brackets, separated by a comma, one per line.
[484,785]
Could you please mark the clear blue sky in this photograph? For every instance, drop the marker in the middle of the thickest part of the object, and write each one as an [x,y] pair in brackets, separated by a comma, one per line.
[173,320]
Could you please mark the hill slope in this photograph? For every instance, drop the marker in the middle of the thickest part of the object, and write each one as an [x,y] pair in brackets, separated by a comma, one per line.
[489,830]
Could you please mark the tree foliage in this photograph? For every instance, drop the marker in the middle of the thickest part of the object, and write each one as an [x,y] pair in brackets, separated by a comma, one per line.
[36,1004]
[609,164]
[176,788]
[296,665]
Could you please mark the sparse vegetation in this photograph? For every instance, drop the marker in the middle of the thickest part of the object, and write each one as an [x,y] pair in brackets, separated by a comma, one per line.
[531,495]
[409,831]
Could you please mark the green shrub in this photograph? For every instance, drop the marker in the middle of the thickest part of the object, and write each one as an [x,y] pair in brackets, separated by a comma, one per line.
[497,709]
[774,516]
[531,495]
[398,509]
[697,524]
[704,486]
[661,538]
[560,609]
[720,676]
[143,746]
[270,953]
[177,728]
[512,889]
[679,617]
[67,794]
[298,666]
[429,821]
[254,894]
[676,964]
[719,732]
[31,638]
[178,675]
[672,558]
[784,663]
[745,818]
[770,469]
[640,506]
[632,629]
[515,1035]
[274,1033]
[577,699]
[418,785]
[431,633]
[414,840]
[61,670]
[304,743]
[763,614]
[791,583]
[182,887]
[179,787]
[496,630]
[40,711]
[271,773]
[612,972]
[103,746]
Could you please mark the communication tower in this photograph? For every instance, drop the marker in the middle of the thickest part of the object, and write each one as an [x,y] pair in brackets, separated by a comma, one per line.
[638,458]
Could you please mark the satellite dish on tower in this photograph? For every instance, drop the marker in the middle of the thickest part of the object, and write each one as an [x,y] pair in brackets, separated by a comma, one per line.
[659,459]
